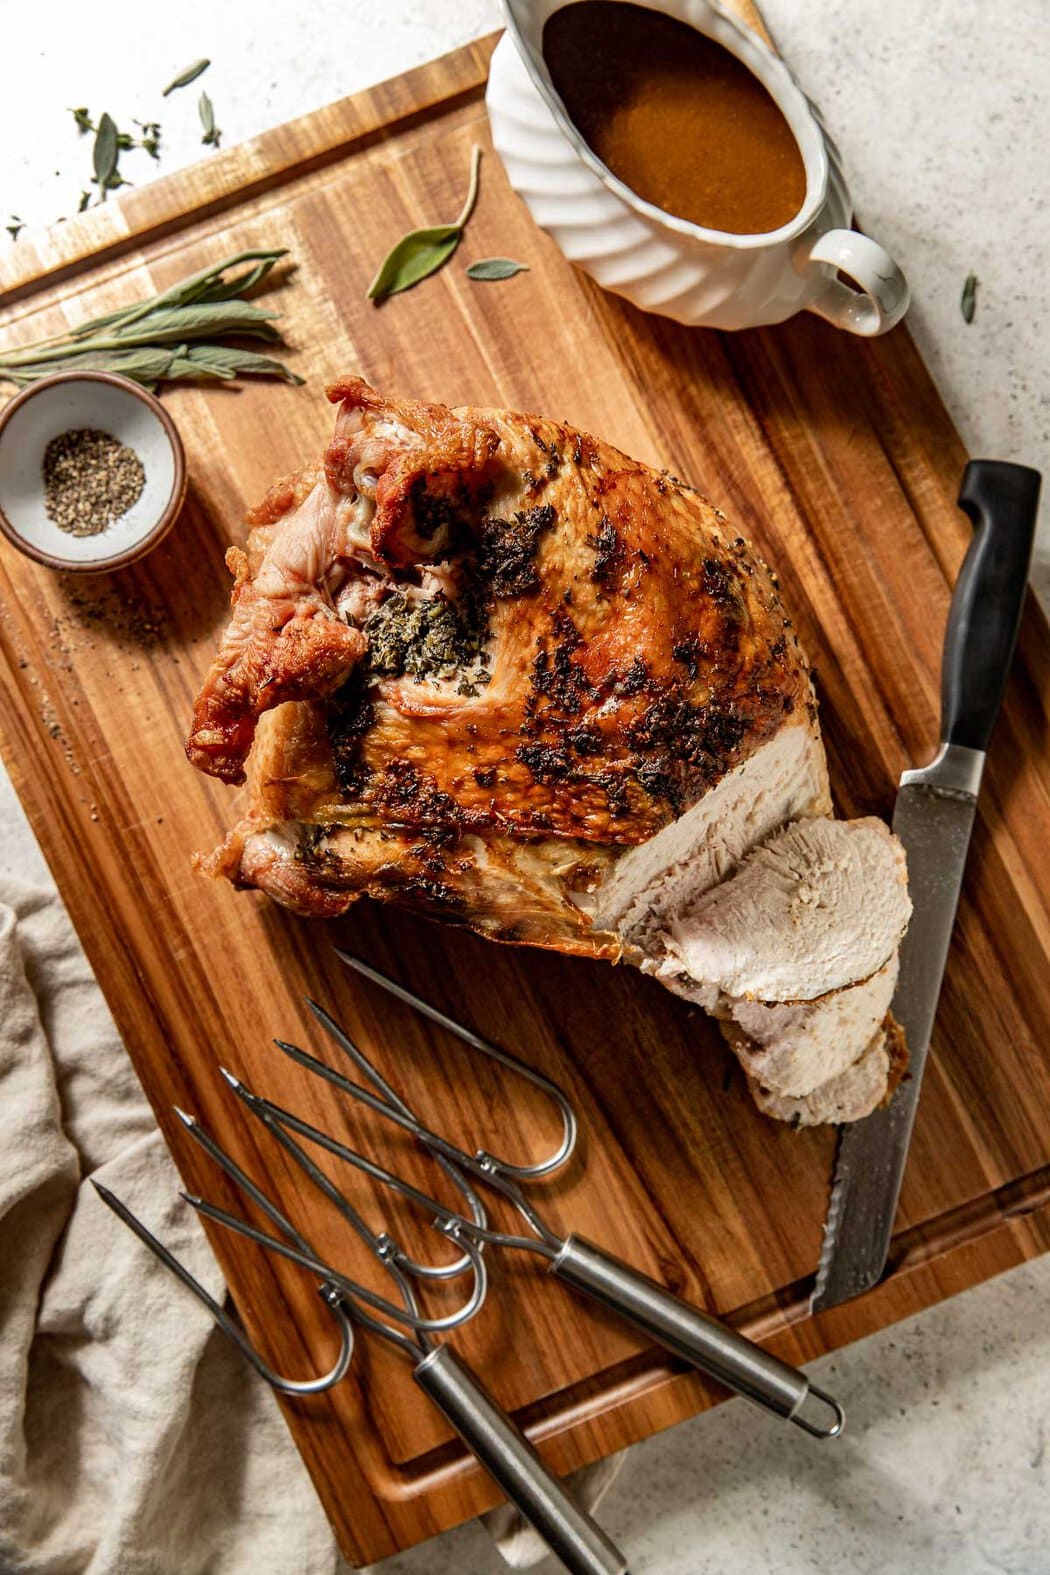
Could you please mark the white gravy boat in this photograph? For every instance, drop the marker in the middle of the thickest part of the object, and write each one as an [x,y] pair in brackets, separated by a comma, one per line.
[669,265]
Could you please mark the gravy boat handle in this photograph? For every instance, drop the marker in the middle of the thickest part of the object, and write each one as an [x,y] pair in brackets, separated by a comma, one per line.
[883,296]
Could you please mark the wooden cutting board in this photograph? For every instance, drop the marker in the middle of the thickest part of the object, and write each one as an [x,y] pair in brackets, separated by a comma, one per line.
[837,458]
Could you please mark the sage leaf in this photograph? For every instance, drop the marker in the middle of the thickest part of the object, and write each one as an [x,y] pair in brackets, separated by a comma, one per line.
[104,154]
[15,228]
[170,324]
[226,361]
[421,253]
[222,289]
[141,365]
[183,365]
[184,78]
[415,257]
[487,268]
[206,110]
[83,119]
[209,284]
[85,199]
[968,299]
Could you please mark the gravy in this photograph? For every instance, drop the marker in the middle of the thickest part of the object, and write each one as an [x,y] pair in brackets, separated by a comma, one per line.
[675,116]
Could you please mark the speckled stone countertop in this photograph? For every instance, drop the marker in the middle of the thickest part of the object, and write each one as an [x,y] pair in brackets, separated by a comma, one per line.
[943,115]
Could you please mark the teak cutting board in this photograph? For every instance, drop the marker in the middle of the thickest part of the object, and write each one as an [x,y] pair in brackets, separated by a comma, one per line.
[837,458]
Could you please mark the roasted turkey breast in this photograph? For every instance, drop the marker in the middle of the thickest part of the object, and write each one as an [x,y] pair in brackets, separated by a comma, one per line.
[486,665]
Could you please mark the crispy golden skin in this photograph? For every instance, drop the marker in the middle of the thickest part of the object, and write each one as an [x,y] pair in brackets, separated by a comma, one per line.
[628,650]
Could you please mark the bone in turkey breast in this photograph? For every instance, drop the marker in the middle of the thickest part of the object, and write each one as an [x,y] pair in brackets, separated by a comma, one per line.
[488,666]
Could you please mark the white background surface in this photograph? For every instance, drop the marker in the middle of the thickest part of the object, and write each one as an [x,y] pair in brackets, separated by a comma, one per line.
[943,114]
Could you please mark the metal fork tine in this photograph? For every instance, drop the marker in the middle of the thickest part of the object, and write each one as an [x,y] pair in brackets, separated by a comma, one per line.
[302,1252]
[394,1099]
[546,1085]
[471,1234]
[408,1123]
[391,986]
[389,1251]
[357,1056]
[158,1249]
[229,1326]
[361,1162]
[455,1225]
[253,1103]
[243,1180]
[386,1249]
[360,1293]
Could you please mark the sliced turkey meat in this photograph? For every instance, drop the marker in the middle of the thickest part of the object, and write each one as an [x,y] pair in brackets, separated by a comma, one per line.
[782,780]
[854,1093]
[795,1047]
[819,906]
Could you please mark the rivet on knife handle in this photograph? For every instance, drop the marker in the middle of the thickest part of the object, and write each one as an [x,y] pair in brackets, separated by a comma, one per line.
[933,818]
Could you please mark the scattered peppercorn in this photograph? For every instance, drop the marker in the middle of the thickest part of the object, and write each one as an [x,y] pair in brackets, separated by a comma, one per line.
[90,480]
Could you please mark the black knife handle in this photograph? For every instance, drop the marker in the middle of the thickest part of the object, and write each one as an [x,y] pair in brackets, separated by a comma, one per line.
[1001,500]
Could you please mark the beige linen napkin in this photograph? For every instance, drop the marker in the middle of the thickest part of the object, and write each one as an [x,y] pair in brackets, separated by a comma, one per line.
[134,1440]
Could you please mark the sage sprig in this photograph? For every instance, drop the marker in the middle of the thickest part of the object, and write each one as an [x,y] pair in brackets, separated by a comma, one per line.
[171,336]
[125,141]
[421,253]
[491,268]
[150,139]
[110,142]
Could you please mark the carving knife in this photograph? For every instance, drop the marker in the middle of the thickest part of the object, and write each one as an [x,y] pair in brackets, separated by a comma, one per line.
[933,818]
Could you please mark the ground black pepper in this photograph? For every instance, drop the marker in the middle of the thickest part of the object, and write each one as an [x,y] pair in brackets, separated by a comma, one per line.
[90,480]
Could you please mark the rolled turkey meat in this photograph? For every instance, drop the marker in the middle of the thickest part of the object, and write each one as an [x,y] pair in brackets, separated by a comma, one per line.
[487,666]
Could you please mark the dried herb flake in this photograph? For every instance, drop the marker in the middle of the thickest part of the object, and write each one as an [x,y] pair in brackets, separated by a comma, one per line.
[206,110]
[184,78]
[105,154]
[968,299]
[492,268]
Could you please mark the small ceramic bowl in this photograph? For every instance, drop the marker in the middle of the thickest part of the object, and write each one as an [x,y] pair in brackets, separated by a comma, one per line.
[113,404]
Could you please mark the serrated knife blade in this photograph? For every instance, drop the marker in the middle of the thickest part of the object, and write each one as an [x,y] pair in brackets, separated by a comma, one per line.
[934,825]
[934,818]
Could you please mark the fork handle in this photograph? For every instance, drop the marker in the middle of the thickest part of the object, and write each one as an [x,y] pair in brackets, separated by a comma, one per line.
[697,1338]
[508,1457]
